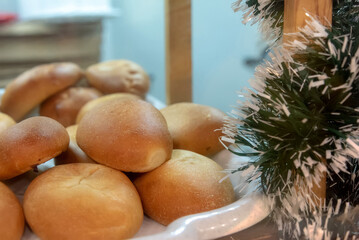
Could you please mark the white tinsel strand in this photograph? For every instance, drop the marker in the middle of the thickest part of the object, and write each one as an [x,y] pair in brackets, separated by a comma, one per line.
[271,34]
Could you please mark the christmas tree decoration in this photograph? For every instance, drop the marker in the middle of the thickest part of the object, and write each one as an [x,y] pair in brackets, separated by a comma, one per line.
[300,119]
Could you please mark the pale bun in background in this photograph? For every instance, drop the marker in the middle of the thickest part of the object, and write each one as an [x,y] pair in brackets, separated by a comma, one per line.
[5,121]
[74,153]
[31,142]
[186,184]
[93,103]
[35,85]
[83,201]
[118,76]
[65,105]
[11,215]
[195,127]
[128,135]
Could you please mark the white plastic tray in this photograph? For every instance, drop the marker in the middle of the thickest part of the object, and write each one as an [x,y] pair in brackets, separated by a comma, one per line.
[249,209]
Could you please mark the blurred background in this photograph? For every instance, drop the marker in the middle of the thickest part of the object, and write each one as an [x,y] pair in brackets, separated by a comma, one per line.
[224,50]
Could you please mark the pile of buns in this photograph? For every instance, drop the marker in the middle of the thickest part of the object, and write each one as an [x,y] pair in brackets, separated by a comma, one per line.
[117,157]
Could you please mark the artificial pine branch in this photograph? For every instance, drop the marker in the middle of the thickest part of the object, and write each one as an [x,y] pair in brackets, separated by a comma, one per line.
[269,15]
[300,113]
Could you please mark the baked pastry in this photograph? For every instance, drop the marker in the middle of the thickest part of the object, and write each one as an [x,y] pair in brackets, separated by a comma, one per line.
[186,184]
[74,153]
[11,215]
[65,105]
[35,85]
[91,104]
[128,135]
[118,76]
[195,127]
[5,121]
[28,143]
[83,201]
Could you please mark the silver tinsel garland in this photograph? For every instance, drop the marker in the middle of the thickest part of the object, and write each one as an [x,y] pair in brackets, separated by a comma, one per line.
[274,104]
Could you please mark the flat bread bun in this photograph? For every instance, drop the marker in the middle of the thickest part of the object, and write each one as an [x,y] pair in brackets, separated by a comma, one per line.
[195,127]
[35,85]
[128,135]
[93,103]
[28,143]
[11,215]
[118,76]
[83,201]
[65,105]
[74,153]
[186,184]
[5,121]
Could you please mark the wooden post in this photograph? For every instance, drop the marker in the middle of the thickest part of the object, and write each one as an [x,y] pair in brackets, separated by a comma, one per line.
[178,51]
[295,15]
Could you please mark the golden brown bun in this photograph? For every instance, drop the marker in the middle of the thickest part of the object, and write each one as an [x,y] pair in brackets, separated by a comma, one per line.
[35,85]
[128,135]
[5,121]
[93,103]
[186,184]
[195,127]
[74,153]
[31,142]
[118,76]
[65,105]
[83,201]
[11,215]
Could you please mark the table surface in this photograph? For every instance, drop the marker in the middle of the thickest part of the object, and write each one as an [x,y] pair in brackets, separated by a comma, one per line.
[264,230]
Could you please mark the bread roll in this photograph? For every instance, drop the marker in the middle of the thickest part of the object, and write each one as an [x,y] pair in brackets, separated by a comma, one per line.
[29,143]
[74,153]
[11,215]
[195,127]
[35,85]
[128,135]
[118,76]
[83,201]
[186,184]
[5,121]
[65,105]
[93,103]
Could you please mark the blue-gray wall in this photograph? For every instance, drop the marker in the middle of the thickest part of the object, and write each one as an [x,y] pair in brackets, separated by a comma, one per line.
[220,41]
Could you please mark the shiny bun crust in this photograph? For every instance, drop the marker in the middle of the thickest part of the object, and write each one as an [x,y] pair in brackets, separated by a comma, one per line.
[65,105]
[93,103]
[74,153]
[11,215]
[29,143]
[5,121]
[35,85]
[83,201]
[118,76]
[128,135]
[186,184]
[195,127]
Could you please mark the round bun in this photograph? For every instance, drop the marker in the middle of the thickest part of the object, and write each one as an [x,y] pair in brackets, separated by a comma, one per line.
[35,85]
[5,121]
[118,76]
[186,184]
[195,127]
[65,105]
[83,201]
[128,135]
[74,153]
[11,215]
[93,103]
[29,143]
